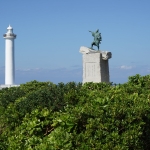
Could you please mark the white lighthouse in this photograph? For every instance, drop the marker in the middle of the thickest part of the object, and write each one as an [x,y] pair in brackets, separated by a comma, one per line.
[9,57]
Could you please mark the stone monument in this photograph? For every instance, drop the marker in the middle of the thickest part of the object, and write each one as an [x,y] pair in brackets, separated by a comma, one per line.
[95,62]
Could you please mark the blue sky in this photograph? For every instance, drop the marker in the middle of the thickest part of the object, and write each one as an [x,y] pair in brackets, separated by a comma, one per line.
[51,32]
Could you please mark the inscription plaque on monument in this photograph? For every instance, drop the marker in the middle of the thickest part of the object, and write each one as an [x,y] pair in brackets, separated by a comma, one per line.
[90,68]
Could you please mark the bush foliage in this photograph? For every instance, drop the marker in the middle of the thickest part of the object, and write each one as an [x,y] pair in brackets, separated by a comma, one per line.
[72,116]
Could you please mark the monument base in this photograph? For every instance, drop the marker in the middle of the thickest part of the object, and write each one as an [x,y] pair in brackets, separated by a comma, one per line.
[95,65]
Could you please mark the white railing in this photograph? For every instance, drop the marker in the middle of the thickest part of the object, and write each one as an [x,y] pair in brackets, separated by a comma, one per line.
[7,86]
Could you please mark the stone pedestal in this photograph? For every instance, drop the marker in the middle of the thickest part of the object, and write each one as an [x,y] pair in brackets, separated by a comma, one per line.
[95,65]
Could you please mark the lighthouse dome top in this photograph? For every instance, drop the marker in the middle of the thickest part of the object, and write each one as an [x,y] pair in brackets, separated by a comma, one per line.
[9,28]
[9,34]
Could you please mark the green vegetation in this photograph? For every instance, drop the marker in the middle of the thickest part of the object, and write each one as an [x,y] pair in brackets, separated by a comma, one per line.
[93,116]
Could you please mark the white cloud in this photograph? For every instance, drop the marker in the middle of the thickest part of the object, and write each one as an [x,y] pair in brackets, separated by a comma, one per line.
[46,74]
[29,69]
[126,67]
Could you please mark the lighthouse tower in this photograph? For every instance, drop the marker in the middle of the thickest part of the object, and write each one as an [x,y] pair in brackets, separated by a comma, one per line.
[9,57]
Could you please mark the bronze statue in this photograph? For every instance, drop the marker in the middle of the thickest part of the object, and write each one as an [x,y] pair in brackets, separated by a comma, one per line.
[97,38]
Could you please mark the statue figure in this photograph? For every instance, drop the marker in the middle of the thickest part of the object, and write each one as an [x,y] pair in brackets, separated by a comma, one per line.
[97,38]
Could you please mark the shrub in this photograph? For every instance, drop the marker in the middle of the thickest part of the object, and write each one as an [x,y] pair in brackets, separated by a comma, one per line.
[75,116]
